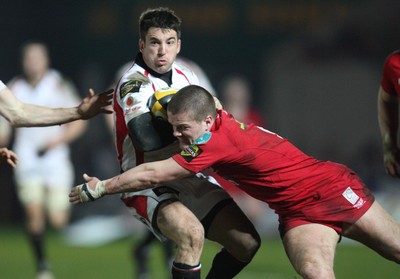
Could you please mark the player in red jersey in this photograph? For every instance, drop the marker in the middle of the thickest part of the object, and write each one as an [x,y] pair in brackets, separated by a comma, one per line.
[317,201]
[388,107]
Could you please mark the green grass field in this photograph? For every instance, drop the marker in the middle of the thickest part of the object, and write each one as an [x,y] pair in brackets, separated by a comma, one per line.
[113,260]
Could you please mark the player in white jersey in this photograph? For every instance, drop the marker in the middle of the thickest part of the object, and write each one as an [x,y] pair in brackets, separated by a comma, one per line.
[44,173]
[165,210]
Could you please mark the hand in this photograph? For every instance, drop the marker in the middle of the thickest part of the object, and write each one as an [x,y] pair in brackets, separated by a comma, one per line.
[8,156]
[92,190]
[95,104]
[391,160]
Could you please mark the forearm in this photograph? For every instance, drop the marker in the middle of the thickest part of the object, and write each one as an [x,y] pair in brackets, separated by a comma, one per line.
[145,176]
[388,120]
[32,115]
[130,182]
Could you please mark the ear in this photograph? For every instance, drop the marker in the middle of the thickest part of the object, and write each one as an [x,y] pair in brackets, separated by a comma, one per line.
[179,46]
[141,45]
[208,122]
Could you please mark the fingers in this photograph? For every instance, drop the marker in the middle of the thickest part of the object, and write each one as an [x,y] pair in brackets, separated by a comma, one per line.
[87,177]
[393,169]
[74,196]
[91,92]
[11,162]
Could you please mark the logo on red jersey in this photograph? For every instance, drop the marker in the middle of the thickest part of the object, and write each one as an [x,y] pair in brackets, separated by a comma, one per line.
[353,198]
[131,86]
[191,152]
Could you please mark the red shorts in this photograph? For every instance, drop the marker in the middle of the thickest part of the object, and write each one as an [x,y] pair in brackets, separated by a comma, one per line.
[341,201]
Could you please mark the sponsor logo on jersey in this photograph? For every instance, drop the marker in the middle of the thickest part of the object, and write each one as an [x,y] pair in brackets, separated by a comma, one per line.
[131,86]
[191,152]
[353,198]
[242,126]
[129,102]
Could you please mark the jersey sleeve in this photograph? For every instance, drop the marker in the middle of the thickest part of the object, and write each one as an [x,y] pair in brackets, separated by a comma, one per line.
[391,74]
[2,85]
[197,158]
[133,93]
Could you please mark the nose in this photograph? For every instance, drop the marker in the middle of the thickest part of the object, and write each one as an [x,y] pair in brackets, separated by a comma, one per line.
[161,49]
[176,133]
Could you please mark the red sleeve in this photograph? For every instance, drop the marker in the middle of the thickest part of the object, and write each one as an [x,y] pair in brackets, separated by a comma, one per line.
[195,158]
[391,74]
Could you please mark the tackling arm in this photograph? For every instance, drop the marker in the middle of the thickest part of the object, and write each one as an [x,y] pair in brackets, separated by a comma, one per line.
[144,176]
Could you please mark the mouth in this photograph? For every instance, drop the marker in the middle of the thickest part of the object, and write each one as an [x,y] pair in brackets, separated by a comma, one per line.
[161,62]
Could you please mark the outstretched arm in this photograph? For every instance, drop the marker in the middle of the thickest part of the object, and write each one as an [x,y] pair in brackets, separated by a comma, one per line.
[20,114]
[144,176]
[388,109]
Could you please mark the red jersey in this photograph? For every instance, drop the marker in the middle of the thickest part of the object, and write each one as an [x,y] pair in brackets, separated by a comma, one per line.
[391,74]
[270,168]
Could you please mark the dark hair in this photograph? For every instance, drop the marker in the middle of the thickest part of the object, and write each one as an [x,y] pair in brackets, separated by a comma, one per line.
[161,17]
[194,100]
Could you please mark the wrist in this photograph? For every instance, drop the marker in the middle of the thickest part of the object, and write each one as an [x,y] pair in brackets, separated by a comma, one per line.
[101,188]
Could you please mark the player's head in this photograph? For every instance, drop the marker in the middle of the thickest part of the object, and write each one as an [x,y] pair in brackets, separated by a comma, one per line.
[162,17]
[160,38]
[35,60]
[191,113]
[193,100]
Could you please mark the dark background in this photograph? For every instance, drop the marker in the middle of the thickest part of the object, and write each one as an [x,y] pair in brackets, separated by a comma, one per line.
[314,67]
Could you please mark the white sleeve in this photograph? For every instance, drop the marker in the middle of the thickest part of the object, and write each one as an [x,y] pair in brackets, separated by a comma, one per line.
[2,85]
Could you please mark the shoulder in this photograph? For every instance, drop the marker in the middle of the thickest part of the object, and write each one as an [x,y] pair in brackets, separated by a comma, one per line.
[15,82]
[63,82]
[393,59]
[183,69]
[134,80]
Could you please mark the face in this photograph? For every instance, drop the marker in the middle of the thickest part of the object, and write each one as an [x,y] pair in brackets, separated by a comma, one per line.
[160,48]
[35,61]
[186,130]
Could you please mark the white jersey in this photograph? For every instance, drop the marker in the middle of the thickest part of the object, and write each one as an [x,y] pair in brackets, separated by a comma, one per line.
[51,91]
[200,194]
[130,100]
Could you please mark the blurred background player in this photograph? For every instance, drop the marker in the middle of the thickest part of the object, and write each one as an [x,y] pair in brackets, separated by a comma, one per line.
[388,113]
[236,96]
[44,174]
[20,114]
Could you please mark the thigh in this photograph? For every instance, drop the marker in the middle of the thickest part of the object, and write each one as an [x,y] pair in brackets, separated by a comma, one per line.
[311,243]
[232,229]
[378,230]
[177,222]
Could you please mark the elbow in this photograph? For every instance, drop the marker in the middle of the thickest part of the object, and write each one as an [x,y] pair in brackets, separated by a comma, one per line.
[16,122]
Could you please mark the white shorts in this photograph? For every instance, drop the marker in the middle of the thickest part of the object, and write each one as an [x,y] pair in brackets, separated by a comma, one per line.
[49,187]
[53,199]
[200,194]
